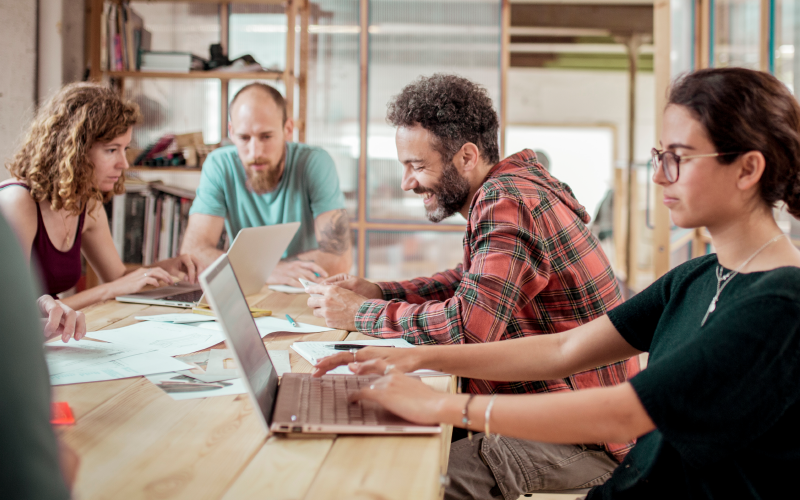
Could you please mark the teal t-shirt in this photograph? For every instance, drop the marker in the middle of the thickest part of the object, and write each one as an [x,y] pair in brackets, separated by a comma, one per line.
[309,187]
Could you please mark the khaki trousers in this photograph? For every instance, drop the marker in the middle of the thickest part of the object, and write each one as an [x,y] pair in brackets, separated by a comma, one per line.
[505,468]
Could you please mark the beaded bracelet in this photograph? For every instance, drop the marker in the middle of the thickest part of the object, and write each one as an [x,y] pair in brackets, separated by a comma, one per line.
[465,419]
[487,415]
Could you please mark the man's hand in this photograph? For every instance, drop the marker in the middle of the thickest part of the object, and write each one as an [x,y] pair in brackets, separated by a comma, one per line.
[186,264]
[62,320]
[371,361]
[337,305]
[355,284]
[287,272]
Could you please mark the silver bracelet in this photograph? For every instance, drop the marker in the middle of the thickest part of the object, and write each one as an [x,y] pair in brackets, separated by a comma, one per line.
[487,415]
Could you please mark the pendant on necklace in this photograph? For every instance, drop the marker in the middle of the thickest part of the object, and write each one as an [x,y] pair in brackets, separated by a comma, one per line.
[713,305]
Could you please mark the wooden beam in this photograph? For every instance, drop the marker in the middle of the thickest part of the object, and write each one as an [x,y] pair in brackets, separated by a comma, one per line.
[288,72]
[662,23]
[363,121]
[302,77]
[619,19]
[224,27]
[764,35]
[703,33]
[631,250]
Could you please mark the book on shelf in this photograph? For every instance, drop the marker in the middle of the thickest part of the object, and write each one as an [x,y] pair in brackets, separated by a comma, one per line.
[171,62]
[122,37]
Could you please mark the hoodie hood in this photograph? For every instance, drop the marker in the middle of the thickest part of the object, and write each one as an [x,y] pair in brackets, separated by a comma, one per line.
[524,165]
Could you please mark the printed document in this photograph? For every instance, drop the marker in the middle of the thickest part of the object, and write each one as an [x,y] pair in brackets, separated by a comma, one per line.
[166,338]
[272,324]
[132,366]
[83,354]
[315,351]
[177,318]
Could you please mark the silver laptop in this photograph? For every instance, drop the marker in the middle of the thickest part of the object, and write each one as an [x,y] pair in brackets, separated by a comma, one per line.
[253,254]
[302,404]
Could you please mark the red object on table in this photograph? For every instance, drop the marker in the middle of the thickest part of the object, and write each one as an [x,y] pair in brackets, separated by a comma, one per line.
[61,414]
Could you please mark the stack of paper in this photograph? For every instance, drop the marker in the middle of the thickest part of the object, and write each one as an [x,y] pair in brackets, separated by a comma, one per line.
[87,361]
[315,351]
[273,324]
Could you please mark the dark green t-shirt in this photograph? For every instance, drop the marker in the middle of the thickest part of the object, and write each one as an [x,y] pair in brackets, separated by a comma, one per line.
[28,452]
[724,397]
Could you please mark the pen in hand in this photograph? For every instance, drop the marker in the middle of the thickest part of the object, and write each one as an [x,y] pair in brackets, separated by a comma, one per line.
[347,347]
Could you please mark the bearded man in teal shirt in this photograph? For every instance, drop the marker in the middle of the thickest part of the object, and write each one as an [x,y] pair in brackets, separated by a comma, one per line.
[263,180]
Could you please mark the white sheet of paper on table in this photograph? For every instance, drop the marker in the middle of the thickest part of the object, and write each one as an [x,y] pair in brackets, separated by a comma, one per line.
[287,289]
[177,318]
[236,387]
[82,355]
[166,338]
[272,324]
[280,360]
[133,366]
[315,351]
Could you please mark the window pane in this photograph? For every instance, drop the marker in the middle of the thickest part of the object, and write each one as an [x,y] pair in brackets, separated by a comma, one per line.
[682,25]
[466,35]
[260,31]
[333,89]
[177,106]
[399,255]
[787,38]
[736,33]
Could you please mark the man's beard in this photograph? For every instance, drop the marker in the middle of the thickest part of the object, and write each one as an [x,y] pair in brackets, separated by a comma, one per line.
[265,181]
[451,194]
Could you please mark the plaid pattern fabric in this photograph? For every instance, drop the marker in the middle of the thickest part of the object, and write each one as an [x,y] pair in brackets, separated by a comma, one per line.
[530,267]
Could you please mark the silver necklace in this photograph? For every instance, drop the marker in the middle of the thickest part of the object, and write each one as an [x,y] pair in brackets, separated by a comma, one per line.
[723,280]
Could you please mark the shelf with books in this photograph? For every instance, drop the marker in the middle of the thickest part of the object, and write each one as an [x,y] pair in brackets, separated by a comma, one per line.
[219,75]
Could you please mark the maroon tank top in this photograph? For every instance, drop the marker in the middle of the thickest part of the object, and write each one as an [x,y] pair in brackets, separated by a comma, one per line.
[60,271]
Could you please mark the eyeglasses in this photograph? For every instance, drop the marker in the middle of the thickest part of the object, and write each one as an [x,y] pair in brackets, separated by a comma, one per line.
[670,162]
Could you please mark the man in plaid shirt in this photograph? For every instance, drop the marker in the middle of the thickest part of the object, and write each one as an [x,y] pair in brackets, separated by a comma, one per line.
[530,267]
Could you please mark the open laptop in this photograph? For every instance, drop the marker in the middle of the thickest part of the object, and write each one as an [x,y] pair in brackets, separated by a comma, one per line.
[253,254]
[302,404]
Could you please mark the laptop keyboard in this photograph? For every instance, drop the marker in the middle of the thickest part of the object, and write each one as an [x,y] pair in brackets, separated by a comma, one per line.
[324,401]
[186,296]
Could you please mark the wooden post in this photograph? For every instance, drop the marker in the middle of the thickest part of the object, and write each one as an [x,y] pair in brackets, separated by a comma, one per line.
[703,33]
[505,63]
[363,119]
[224,19]
[661,35]
[765,35]
[288,72]
[632,232]
[302,76]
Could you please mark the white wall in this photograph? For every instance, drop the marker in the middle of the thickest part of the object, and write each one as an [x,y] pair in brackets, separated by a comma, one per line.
[18,78]
[581,97]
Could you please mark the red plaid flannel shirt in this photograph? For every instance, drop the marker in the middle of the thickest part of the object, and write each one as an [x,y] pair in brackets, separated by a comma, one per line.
[531,267]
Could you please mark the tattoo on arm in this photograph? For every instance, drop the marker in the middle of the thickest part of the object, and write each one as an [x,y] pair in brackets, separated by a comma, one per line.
[334,236]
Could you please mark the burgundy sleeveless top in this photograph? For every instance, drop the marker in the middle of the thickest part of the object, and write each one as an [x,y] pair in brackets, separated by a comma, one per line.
[60,271]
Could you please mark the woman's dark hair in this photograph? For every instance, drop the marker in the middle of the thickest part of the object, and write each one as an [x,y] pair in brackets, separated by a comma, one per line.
[745,110]
[453,109]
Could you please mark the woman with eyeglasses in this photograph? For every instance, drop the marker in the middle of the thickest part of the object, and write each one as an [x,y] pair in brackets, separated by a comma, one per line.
[716,411]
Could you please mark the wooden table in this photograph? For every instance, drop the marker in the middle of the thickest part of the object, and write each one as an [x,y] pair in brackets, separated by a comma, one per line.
[135,441]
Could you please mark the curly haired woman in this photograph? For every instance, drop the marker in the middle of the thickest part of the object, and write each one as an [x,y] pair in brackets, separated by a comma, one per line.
[72,160]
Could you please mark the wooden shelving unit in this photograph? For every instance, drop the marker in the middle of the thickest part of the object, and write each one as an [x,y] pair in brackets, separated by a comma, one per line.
[289,76]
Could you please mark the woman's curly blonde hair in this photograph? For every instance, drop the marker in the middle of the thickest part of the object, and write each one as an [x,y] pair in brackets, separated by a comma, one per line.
[54,159]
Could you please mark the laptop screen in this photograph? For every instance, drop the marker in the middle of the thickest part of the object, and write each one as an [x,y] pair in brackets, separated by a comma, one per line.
[231,309]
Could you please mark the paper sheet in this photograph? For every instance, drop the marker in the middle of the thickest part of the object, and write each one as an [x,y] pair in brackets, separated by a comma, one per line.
[166,338]
[177,318]
[171,384]
[81,355]
[314,351]
[195,382]
[133,366]
[287,289]
[272,324]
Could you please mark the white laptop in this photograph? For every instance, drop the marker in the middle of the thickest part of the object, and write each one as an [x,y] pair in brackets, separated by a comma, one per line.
[302,404]
[253,254]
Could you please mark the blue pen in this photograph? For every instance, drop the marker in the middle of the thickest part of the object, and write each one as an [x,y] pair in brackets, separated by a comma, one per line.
[316,274]
[292,322]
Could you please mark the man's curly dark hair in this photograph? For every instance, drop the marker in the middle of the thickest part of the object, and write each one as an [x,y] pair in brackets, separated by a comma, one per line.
[455,110]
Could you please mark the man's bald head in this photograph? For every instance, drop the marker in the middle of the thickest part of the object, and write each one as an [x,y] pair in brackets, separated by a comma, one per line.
[254,92]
